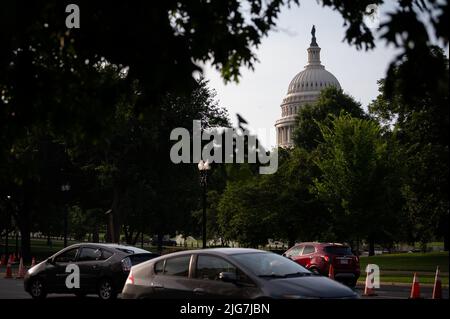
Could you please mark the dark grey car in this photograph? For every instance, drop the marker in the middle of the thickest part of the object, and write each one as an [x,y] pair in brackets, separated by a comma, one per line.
[228,273]
[103,269]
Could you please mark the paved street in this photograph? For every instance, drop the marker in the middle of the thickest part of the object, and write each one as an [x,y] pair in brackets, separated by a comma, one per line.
[400,291]
[13,289]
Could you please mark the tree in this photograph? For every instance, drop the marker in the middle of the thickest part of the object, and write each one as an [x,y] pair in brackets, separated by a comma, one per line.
[420,120]
[357,180]
[331,102]
[245,212]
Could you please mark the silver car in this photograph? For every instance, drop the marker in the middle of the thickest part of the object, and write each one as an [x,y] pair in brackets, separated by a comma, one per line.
[228,273]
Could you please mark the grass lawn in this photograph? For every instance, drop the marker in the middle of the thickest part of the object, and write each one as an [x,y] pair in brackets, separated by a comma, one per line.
[409,261]
[401,267]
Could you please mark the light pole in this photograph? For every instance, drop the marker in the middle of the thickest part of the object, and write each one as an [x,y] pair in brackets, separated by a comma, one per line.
[204,167]
[65,188]
[8,221]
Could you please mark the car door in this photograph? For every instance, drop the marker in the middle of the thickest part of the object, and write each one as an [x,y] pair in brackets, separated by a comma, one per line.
[206,281]
[173,280]
[88,261]
[56,270]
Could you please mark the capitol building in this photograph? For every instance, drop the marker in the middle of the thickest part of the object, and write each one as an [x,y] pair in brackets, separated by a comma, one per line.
[304,89]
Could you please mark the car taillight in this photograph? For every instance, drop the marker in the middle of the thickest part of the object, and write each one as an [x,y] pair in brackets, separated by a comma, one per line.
[326,258]
[126,264]
[130,279]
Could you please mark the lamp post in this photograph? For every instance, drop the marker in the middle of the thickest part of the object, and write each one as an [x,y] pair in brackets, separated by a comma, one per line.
[65,188]
[8,221]
[204,167]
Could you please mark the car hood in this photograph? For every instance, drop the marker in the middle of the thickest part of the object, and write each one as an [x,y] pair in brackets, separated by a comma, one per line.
[310,287]
[37,268]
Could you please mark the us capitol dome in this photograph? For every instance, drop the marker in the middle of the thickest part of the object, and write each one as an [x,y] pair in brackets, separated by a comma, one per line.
[304,89]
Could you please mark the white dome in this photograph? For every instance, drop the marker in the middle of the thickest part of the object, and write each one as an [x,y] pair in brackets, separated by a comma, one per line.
[313,78]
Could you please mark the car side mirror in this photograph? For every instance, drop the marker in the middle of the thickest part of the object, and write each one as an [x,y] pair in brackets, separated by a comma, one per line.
[228,277]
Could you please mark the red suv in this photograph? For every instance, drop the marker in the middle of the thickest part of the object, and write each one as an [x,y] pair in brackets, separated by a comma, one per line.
[317,257]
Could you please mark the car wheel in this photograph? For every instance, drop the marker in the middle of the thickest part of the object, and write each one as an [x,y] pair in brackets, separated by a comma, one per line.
[315,271]
[37,289]
[106,290]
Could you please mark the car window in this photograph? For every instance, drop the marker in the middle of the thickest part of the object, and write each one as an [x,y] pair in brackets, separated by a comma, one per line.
[90,254]
[338,250]
[67,256]
[309,249]
[209,267]
[127,251]
[294,252]
[268,264]
[177,266]
[106,254]
[159,267]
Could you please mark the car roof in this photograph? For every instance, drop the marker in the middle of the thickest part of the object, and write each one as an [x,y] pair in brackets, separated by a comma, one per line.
[119,247]
[321,244]
[217,251]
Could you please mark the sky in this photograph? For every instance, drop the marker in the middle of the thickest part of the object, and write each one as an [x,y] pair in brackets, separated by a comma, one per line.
[282,54]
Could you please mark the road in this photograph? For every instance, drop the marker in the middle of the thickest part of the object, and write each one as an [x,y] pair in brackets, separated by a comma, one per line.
[13,289]
[399,291]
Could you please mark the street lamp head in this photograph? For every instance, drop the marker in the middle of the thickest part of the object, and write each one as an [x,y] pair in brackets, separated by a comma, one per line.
[8,197]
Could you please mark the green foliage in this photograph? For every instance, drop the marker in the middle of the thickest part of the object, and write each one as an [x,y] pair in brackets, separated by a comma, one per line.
[330,102]
[420,121]
[356,179]
[245,212]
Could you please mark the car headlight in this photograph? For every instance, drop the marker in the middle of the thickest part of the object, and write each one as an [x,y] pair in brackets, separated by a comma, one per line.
[32,270]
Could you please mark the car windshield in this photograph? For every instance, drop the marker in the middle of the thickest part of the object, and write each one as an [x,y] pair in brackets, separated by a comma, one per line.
[338,250]
[270,265]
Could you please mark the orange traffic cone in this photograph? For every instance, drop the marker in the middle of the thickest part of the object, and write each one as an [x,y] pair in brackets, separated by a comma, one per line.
[415,289]
[10,259]
[368,289]
[331,272]
[8,273]
[437,289]
[21,272]
[3,260]
[33,262]
[13,257]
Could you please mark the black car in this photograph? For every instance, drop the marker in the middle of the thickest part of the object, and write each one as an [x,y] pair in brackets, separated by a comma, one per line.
[228,273]
[103,269]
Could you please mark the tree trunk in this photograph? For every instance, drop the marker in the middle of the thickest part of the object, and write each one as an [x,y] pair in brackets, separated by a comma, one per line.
[357,247]
[49,240]
[160,243]
[24,223]
[371,246]
[291,242]
[446,241]
[95,237]
[116,215]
